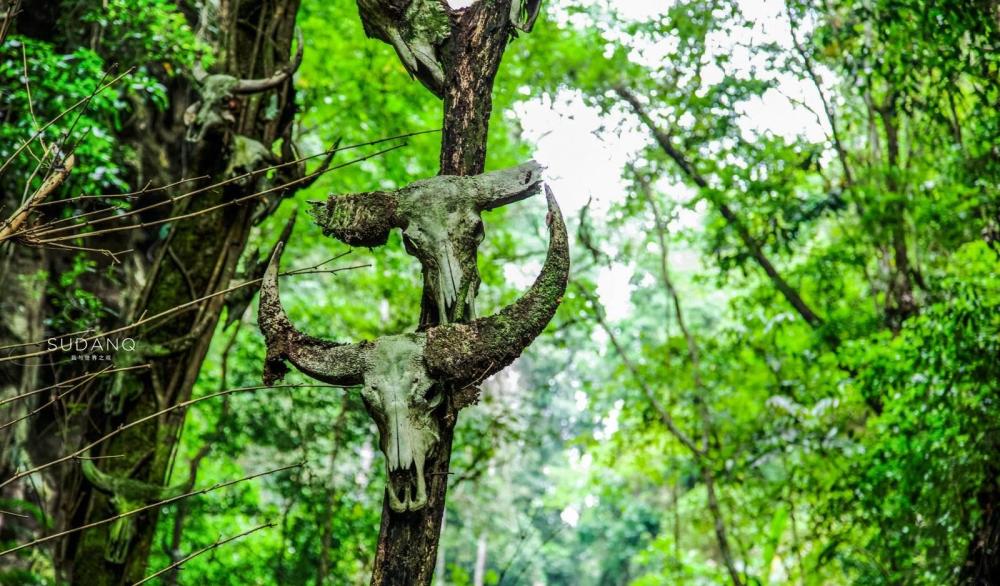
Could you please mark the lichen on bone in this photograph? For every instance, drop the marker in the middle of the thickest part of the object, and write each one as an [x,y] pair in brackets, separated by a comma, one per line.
[403,377]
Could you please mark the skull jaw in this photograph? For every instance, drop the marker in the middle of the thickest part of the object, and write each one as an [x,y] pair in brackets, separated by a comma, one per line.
[120,536]
[454,289]
[411,485]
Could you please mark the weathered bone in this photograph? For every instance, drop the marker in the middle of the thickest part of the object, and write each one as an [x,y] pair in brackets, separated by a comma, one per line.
[253,86]
[128,494]
[415,29]
[468,353]
[395,386]
[523,14]
[215,108]
[399,372]
[441,222]
[338,364]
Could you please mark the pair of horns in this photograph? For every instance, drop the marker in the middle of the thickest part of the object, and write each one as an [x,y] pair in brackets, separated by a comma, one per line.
[457,353]
[254,86]
[365,219]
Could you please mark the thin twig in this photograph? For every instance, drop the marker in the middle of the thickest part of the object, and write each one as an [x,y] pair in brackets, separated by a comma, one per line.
[47,230]
[123,427]
[218,543]
[64,393]
[79,103]
[40,237]
[144,320]
[148,507]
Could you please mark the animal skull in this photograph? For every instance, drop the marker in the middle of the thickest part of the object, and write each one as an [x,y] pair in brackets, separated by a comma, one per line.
[403,376]
[415,29]
[441,220]
[127,494]
[217,108]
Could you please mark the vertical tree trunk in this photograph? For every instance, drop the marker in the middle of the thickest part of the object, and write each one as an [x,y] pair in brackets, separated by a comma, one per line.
[407,546]
[198,257]
[479,571]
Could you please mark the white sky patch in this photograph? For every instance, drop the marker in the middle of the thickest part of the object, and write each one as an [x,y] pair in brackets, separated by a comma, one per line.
[570,515]
[581,161]
[614,290]
[521,276]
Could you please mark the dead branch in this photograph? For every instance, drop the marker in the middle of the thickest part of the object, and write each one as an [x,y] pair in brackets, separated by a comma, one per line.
[218,543]
[141,420]
[144,320]
[35,238]
[49,229]
[157,504]
[53,181]
[58,397]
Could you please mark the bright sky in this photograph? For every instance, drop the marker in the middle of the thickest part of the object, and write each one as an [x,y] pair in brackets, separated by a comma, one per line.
[583,163]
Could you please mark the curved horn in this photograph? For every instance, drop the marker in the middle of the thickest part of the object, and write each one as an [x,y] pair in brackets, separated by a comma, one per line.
[499,188]
[468,353]
[358,219]
[98,479]
[253,86]
[337,364]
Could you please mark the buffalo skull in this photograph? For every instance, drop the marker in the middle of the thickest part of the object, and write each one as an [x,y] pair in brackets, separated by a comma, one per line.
[442,227]
[128,494]
[218,106]
[404,377]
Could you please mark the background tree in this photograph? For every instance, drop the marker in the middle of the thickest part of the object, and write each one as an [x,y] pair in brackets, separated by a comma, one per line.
[854,448]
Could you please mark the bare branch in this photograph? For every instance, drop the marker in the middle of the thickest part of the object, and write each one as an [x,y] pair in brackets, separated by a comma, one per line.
[148,507]
[141,420]
[53,400]
[40,237]
[218,543]
[50,184]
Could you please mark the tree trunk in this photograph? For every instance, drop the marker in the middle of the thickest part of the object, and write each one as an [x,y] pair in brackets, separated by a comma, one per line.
[479,571]
[198,257]
[982,563]
[407,546]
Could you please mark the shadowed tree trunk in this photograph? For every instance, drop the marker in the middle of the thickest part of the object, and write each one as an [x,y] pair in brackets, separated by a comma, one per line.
[195,258]
[407,545]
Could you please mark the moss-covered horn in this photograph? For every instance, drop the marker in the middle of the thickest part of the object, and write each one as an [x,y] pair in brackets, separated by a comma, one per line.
[468,353]
[499,188]
[253,86]
[98,479]
[338,364]
[358,219]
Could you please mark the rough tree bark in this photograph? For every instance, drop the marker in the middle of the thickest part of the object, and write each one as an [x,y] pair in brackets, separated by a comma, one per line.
[197,257]
[407,546]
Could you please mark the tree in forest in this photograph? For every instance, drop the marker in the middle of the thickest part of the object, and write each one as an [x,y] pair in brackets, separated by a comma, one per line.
[414,385]
[191,264]
[208,146]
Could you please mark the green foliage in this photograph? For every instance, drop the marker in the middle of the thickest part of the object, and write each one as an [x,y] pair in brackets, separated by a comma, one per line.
[55,83]
[75,307]
[155,30]
[860,451]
